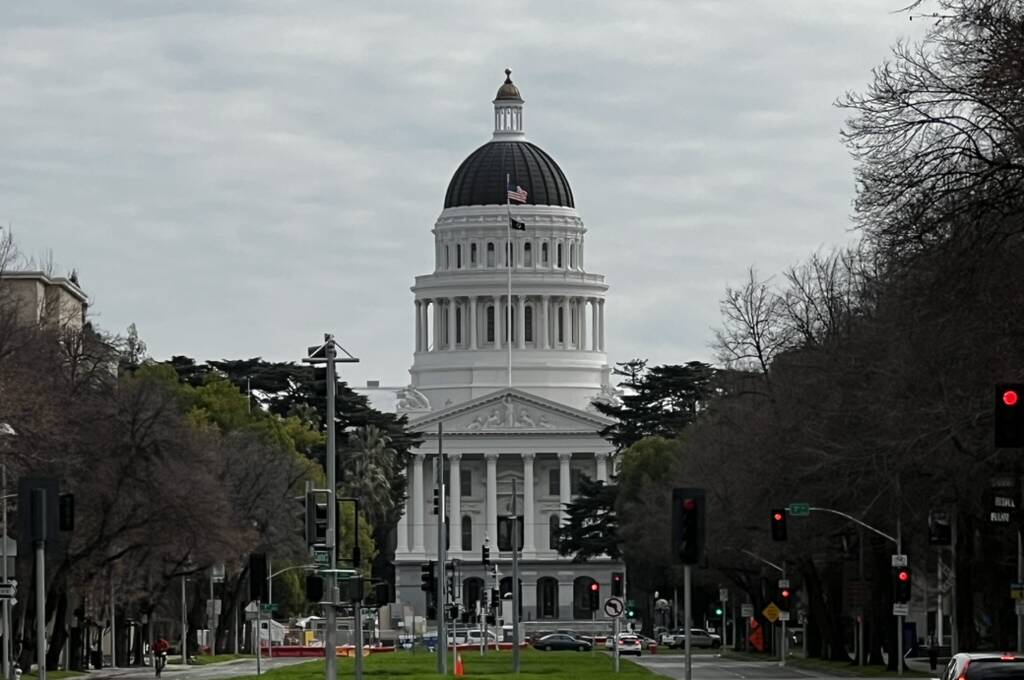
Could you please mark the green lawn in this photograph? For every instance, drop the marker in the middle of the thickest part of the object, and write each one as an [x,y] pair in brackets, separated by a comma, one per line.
[422,665]
[55,675]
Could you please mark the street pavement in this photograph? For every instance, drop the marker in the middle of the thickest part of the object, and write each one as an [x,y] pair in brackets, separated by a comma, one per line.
[715,667]
[227,669]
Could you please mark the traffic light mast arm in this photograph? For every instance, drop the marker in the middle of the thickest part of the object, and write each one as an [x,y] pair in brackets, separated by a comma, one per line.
[758,558]
[857,521]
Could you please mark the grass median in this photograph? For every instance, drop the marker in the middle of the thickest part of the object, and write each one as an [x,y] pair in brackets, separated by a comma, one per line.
[840,668]
[423,666]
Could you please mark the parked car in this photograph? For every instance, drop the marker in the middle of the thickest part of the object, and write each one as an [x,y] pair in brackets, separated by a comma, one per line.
[988,666]
[561,642]
[699,638]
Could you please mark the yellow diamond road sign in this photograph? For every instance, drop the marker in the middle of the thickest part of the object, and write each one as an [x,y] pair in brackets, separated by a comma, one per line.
[771,612]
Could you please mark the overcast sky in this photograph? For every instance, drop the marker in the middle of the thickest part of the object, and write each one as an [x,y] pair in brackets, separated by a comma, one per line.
[238,180]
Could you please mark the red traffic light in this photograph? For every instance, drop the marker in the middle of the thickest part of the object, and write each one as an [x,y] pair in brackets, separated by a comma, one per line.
[1010,397]
[595,587]
[784,592]
[777,516]
[904,575]
[689,504]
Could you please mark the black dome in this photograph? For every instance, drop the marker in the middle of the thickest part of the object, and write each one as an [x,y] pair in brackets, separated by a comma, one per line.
[480,180]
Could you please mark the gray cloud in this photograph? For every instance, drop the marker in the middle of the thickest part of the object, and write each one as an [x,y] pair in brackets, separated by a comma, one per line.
[237,178]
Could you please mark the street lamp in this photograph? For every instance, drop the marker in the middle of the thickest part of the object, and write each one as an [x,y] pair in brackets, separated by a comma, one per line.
[6,431]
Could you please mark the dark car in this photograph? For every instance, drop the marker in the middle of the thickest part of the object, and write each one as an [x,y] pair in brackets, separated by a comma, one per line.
[560,642]
[985,667]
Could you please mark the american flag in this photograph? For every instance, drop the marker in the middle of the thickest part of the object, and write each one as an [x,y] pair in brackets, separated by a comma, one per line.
[519,195]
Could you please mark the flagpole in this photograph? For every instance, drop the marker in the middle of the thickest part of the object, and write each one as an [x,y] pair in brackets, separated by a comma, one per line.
[508,264]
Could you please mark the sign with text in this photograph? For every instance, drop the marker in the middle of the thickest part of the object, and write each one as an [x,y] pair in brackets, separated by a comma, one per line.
[747,611]
[1004,499]
[799,509]
[901,609]
[771,612]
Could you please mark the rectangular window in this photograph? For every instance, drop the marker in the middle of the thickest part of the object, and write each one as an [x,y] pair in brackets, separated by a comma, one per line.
[529,323]
[472,254]
[458,325]
[490,255]
[466,482]
[458,256]
[544,253]
[490,323]
[554,482]
[505,533]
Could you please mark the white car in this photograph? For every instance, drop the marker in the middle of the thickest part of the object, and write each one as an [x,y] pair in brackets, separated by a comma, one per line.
[628,644]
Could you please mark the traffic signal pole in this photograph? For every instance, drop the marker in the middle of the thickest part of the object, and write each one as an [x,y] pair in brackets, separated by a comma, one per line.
[686,619]
[442,581]
[327,354]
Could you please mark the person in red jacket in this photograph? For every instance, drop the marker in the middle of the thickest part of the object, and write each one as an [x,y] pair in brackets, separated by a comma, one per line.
[160,648]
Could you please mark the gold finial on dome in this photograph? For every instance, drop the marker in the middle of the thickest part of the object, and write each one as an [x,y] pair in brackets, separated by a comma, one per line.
[508,90]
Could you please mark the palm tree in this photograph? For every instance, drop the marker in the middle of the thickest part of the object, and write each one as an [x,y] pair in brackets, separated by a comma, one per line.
[366,471]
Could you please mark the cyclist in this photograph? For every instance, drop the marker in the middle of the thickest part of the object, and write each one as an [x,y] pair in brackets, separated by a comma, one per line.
[160,648]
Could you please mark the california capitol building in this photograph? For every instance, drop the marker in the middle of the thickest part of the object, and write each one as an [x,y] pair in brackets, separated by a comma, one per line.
[537,433]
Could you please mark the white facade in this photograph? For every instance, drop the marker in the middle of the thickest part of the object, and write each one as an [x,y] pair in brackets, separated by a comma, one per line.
[535,429]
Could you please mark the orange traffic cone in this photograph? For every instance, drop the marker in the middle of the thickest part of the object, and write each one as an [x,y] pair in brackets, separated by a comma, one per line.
[459,672]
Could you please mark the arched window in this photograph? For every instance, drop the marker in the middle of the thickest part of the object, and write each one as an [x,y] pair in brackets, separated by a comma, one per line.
[554,522]
[490,255]
[544,253]
[472,591]
[490,323]
[547,598]
[572,256]
[558,256]
[467,532]
[472,254]
[458,324]
[458,256]
[528,254]
[528,315]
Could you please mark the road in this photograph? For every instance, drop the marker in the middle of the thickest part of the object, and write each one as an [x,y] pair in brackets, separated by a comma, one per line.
[229,669]
[714,667]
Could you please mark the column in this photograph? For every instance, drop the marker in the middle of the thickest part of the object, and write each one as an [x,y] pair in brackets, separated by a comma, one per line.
[582,316]
[403,524]
[424,326]
[451,324]
[521,321]
[492,497]
[416,500]
[528,515]
[545,326]
[593,322]
[564,483]
[472,322]
[566,327]
[435,304]
[600,335]
[602,466]
[455,501]
[498,316]
[416,307]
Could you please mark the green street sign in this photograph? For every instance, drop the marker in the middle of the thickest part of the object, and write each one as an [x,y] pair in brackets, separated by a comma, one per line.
[799,509]
[268,608]
[321,557]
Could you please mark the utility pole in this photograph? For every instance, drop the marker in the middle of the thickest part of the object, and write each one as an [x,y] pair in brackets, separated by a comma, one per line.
[327,354]
[442,580]
[515,580]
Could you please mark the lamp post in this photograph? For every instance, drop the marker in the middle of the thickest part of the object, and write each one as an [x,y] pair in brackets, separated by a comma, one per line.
[5,431]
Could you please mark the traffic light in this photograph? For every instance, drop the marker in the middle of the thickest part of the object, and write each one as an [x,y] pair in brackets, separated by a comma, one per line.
[901,585]
[66,512]
[316,518]
[595,596]
[314,588]
[437,501]
[616,584]
[779,531]
[319,383]
[688,525]
[453,612]
[428,583]
[485,554]
[258,577]
[784,598]
[494,597]
[1009,415]
[631,610]
[940,531]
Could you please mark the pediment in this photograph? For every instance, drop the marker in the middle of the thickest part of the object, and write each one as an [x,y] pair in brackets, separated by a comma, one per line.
[512,411]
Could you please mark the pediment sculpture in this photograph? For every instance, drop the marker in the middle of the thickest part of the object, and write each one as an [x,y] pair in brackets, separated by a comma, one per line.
[411,400]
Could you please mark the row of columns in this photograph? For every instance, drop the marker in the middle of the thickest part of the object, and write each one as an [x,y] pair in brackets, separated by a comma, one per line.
[418,495]
[527,254]
[546,310]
